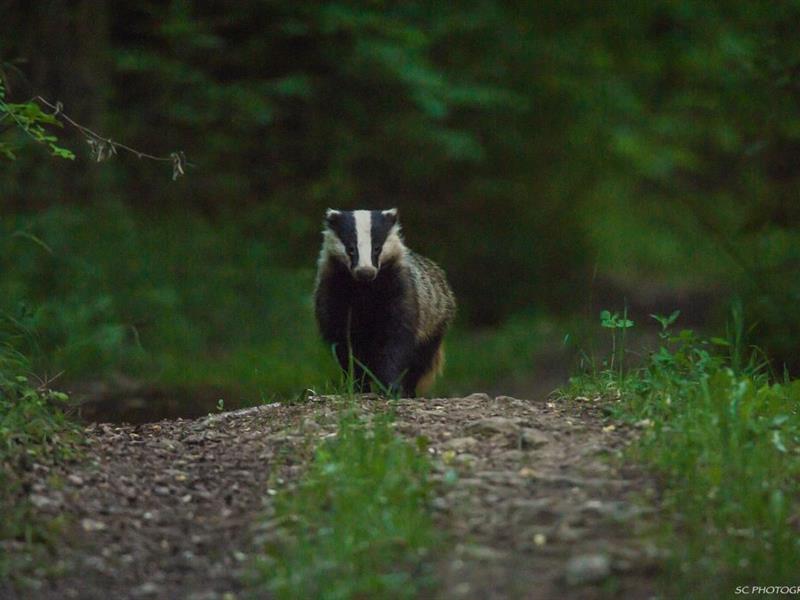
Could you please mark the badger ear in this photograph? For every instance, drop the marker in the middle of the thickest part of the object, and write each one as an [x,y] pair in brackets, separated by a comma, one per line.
[332,217]
[391,215]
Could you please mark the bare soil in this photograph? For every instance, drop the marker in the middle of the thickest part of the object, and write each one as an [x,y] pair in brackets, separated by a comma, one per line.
[531,496]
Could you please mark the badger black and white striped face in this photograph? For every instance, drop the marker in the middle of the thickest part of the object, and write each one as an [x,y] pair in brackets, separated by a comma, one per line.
[363,240]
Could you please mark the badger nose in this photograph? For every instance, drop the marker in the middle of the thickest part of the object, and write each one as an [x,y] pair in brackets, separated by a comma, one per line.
[365,273]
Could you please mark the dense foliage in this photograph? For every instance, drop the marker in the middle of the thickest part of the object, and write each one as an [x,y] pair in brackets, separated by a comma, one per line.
[525,145]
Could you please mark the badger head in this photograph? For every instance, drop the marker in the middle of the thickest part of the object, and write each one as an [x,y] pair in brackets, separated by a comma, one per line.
[362,240]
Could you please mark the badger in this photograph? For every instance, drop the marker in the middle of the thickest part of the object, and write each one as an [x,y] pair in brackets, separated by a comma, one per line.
[379,301]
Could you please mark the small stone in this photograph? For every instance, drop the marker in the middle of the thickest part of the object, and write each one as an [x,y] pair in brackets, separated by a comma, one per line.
[310,425]
[440,504]
[96,563]
[587,568]
[92,525]
[533,438]
[540,539]
[482,553]
[40,501]
[146,589]
[460,444]
[566,532]
[465,459]
[508,400]
[615,510]
[513,455]
[481,396]
[74,479]
[493,425]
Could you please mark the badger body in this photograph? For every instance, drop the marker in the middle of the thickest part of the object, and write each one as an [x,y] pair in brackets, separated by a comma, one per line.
[376,298]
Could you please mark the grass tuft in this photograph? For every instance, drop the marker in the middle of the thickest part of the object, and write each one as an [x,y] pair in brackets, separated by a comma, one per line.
[357,525]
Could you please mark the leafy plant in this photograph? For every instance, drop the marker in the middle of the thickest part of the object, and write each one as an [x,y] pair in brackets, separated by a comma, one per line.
[31,120]
[618,326]
[725,443]
[666,323]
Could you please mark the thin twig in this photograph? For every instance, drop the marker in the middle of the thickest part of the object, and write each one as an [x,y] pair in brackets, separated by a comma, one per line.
[103,147]
[58,111]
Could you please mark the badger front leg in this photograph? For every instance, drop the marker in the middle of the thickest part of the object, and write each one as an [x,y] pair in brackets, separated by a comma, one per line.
[394,361]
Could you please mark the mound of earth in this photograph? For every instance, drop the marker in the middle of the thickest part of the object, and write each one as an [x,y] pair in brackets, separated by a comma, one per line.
[530,494]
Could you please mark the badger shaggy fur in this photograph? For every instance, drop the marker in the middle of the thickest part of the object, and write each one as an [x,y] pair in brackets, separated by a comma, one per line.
[377,298]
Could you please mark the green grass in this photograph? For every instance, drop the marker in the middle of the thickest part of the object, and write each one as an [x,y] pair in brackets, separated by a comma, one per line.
[725,443]
[33,429]
[357,525]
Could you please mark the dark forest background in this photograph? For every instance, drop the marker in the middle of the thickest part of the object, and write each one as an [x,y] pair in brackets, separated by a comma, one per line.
[555,157]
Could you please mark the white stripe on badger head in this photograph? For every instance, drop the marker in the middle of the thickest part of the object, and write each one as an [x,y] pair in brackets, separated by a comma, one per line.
[364,237]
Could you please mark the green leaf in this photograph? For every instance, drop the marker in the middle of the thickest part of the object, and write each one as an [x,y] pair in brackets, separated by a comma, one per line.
[779,420]
[777,441]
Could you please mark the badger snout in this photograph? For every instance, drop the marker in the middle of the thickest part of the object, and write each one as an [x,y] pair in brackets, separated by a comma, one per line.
[365,273]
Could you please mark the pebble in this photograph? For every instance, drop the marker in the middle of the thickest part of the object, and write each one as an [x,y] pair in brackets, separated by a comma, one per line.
[40,501]
[460,444]
[92,525]
[533,438]
[479,396]
[148,588]
[492,425]
[481,553]
[465,459]
[587,568]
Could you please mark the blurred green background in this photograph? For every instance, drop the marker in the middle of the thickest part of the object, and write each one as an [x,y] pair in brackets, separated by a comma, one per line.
[555,157]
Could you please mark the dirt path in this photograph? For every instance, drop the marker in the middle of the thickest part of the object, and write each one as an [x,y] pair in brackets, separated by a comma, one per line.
[527,490]
[538,509]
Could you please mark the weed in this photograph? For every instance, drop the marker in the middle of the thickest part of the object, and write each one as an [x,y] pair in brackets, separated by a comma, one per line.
[618,326]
